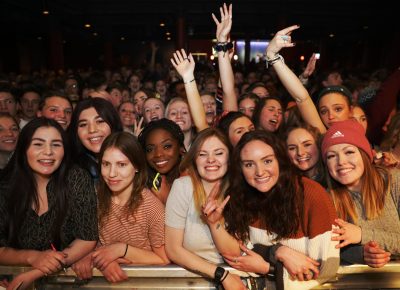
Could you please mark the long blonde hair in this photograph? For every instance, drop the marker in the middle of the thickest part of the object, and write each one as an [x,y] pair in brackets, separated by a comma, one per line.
[374,186]
[189,164]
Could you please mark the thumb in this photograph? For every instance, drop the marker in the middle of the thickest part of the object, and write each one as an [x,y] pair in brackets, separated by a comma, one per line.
[245,249]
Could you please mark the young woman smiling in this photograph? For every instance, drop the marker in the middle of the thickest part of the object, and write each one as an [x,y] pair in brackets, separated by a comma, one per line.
[367,198]
[131,218]
[48,208]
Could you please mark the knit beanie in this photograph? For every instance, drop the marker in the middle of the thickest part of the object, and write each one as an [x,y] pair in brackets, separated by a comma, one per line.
[348,132]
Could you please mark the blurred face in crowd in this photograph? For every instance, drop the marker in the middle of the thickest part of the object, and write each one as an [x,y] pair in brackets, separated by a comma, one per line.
[30,104]
[238,128]
[8,104]
[333,79]
[127,114]
[134,83]
[302,149]
[116,96]
[58,109]
[161,87]
[9,132]
[153,109]
[179,113]
[210,107]
[271,116]
[138,100]
[359,115]
[261,92]
[247,106]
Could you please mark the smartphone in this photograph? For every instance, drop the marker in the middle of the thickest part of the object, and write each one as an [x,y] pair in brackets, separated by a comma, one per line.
[317,55]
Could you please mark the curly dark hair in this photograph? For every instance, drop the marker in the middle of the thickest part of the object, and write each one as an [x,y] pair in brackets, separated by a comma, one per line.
[278,210]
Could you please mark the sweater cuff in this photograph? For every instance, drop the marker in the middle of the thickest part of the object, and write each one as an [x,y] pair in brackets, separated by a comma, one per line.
[367,235]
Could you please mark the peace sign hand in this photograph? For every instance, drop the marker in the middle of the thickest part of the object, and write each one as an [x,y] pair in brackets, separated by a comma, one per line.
[212,209]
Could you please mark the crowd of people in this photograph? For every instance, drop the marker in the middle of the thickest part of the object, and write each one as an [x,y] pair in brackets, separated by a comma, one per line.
[267,170]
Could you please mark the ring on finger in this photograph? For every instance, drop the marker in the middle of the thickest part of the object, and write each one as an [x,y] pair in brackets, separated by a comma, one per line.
[285,38]
[235,260]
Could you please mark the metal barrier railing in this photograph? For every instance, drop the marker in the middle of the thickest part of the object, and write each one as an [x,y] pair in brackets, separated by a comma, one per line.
[175,277]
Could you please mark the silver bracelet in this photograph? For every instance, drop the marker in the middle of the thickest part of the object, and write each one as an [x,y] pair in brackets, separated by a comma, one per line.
[274,60]
[189,81]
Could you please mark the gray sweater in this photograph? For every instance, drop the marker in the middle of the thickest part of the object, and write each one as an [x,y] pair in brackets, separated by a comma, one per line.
[384,229]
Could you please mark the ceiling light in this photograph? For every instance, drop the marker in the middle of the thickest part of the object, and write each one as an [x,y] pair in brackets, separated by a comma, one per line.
[162,24]
[88,25]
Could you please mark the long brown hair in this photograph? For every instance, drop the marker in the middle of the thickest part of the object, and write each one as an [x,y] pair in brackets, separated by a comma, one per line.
[374,186]
[189,164]
[130,147]
[280,210]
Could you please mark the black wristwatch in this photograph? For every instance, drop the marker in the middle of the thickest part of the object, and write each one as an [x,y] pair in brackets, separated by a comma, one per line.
[218,274]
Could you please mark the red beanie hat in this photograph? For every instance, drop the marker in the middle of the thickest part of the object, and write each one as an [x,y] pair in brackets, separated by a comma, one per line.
[349,132]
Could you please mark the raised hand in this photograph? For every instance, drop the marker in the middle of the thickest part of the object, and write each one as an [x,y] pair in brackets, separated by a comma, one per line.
[212,209]
[348,233]
[281,39]
[184,65]
[224,26]
[310,68]
[251,262]
[138,126]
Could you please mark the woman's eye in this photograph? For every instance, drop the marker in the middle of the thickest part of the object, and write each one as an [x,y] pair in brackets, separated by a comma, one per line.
[291,148]
[339,109]
[167,146]
[81,125]
[322,112]
[329,156]
[268,161]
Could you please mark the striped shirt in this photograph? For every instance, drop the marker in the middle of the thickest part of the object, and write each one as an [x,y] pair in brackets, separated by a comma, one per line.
[143,230]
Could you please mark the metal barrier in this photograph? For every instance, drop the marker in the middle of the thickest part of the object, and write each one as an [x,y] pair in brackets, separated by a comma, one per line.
[175,277]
